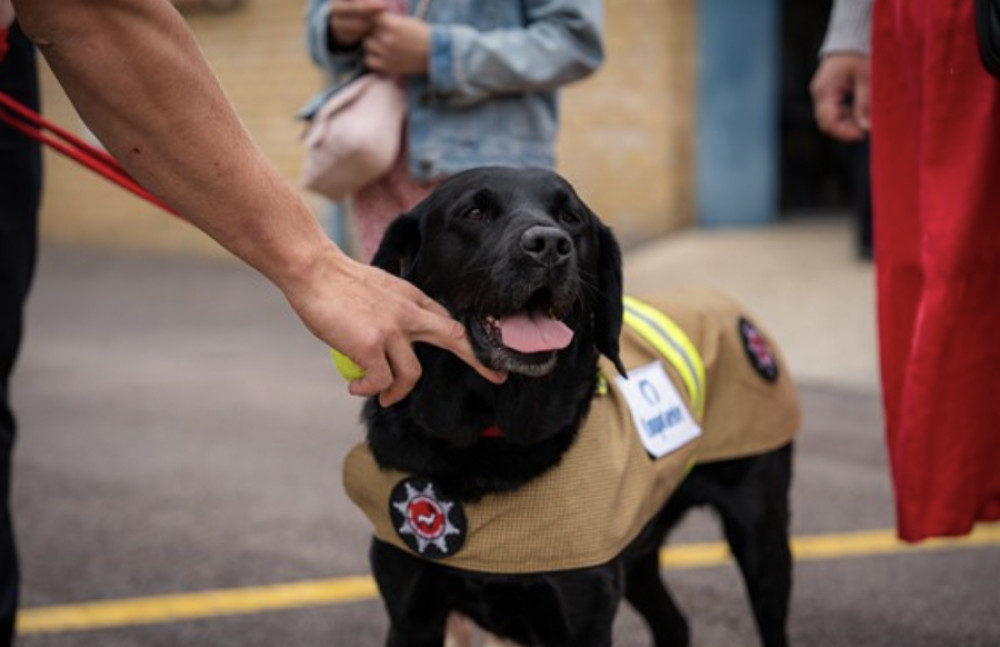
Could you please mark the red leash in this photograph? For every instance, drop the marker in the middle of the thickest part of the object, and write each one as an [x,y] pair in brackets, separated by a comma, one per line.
[32,125]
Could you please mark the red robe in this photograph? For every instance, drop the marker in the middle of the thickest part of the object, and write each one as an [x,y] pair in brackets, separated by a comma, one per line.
[936,192]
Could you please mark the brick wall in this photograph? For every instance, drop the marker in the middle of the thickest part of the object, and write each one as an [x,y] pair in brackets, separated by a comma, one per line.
[627,131]
[625,142]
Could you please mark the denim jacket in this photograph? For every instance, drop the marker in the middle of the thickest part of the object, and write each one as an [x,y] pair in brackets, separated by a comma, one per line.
[490,96]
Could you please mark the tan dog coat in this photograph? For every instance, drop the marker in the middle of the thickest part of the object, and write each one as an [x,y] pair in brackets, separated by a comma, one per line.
[585,510]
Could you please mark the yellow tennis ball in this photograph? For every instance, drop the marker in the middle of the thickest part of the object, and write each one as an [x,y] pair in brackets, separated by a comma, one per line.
[347,367]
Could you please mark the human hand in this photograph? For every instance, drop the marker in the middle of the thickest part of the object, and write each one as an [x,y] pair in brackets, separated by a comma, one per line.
[374,318]
[353,20]
[840,96]
[398,45]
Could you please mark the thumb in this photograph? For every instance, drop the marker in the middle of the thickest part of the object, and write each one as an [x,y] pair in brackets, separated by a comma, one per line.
[446,333]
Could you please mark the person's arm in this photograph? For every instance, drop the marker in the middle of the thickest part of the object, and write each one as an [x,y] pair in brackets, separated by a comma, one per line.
[849,29]
[840,86]
[138,79]
[561,43]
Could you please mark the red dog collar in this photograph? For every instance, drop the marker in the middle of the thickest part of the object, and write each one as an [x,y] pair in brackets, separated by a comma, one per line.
[493,431]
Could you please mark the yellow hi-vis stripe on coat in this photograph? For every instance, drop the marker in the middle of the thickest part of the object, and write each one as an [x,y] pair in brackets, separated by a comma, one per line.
[671,342]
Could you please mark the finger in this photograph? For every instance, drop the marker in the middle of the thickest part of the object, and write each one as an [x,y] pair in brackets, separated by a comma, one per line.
[862,103]
[439,328]
[377,377]
[405,371]
[847,131]
[405,290]
[826,109]
[375,63]
[385,20]
[423,301]
[365,9]
[351,23]
[450,335]
[834,118]
[843,127]
[349,30]
[824,120]
[374,54]
[348,33]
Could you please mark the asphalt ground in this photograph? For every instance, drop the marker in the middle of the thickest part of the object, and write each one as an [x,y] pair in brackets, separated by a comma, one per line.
[177,473]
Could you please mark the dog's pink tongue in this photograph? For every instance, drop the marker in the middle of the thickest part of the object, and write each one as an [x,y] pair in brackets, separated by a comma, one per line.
[527,333]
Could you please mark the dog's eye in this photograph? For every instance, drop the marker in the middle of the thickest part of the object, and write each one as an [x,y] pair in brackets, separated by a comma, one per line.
[568,217]
[474,214]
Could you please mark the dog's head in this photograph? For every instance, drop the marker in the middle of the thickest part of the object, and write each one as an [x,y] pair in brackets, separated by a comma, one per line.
[517,257]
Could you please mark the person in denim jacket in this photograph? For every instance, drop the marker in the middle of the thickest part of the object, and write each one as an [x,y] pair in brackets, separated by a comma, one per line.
[482,82]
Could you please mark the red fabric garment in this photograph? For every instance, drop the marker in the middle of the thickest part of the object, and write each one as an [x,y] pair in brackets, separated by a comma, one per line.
[936,192]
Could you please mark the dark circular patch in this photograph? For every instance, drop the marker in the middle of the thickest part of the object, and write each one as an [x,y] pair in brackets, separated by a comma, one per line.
[432,526]
[758,351]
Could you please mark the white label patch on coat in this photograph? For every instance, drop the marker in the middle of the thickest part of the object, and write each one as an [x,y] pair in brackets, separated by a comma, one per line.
[661,418]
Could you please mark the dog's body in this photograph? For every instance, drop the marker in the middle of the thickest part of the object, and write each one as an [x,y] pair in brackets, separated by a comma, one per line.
[518,258]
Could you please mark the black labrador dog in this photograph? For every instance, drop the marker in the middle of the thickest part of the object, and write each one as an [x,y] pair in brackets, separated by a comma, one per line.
[536,278]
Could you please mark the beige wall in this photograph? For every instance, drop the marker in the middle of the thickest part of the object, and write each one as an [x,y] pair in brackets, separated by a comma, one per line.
[625,142]
[627,131]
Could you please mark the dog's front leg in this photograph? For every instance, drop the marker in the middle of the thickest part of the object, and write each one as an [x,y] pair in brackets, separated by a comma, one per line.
[590,599]
[415,594]
[647,593]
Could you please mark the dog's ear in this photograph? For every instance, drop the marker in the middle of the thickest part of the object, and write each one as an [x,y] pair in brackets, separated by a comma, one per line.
[397,253]
[608,306]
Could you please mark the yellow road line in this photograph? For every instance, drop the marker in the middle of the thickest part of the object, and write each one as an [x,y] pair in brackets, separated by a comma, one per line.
[861,543]
[109,614]
[190,606]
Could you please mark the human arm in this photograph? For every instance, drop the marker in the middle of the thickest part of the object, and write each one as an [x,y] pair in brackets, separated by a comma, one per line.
[840,85]
[560,43]
[552,43]
[136,76]
[556,42]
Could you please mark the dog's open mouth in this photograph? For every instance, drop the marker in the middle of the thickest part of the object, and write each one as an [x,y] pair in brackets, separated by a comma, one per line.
[525,341]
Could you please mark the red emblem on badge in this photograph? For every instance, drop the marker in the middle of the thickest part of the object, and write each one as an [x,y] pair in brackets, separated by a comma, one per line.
[430,525]
[426,517]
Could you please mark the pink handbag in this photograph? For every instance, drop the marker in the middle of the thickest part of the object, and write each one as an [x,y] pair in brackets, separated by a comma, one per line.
[355,136]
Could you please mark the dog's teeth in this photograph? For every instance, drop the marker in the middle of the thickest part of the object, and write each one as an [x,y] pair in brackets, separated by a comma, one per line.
[492,326]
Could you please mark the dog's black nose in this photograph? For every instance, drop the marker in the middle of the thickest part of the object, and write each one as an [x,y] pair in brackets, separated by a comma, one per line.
[549,246]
